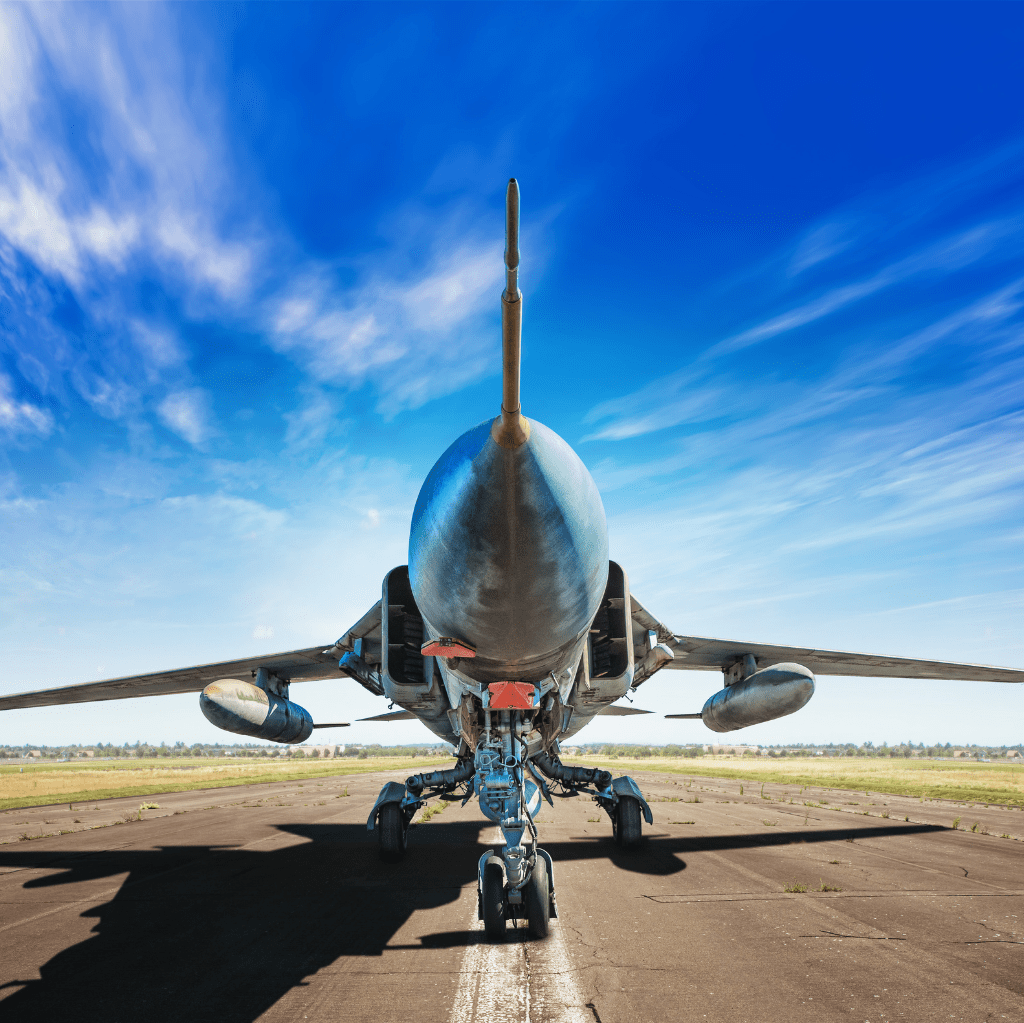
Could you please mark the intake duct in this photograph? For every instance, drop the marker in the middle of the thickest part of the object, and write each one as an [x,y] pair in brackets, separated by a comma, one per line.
[443,780]
[554,768]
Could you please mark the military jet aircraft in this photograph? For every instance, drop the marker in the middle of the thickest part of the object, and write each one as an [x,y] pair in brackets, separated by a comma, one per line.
[506,633]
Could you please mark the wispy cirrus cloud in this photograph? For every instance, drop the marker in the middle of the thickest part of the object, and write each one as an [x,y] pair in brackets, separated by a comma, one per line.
[143,188]
[21,417]
[188,414]
[874,325]
[867,430]
[417,326]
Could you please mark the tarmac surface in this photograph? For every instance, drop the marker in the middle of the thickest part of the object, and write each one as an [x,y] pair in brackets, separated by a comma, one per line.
[268,902]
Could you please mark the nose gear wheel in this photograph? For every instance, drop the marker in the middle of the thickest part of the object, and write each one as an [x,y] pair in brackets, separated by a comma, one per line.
[492,898]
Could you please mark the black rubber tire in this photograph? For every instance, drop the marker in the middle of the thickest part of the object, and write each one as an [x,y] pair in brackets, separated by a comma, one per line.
[627,814]
[537,899]
[391,833]
[492,896]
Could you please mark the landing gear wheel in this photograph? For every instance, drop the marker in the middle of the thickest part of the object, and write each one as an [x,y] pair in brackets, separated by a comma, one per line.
[627,822]
[537,898]
[391,833]
[492,896]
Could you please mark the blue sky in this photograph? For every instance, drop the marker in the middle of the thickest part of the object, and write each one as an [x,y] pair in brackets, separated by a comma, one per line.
[250,260]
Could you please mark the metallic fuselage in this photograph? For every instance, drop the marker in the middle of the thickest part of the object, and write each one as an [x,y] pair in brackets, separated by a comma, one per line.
[508,552]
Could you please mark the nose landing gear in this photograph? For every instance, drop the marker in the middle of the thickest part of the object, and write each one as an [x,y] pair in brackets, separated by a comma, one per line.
[533,901]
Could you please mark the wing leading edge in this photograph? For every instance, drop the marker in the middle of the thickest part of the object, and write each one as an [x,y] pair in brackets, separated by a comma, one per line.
[290,666]
[293,665]
[697,653]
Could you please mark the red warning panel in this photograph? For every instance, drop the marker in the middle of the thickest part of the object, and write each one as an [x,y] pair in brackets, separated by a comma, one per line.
[511,695]
[445,647]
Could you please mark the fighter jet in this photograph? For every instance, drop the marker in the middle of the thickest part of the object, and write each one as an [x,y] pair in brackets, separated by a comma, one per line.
[506,633]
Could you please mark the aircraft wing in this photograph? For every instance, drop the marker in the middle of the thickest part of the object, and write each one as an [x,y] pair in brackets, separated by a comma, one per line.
[290,666]
[310,663]
[697,653]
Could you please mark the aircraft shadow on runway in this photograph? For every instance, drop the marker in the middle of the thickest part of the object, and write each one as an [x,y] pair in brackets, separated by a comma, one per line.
[206,932]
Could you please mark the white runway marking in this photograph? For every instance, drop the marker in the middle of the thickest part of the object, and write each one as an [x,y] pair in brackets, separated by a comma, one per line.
[519,981]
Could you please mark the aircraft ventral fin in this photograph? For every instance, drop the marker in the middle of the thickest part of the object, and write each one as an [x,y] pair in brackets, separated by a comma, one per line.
[698,653]
[394,715]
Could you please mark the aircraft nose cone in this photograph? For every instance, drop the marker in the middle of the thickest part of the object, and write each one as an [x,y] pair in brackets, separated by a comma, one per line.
[509,551]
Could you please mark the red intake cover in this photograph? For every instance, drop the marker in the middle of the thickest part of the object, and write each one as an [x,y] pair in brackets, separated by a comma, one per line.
[511,695]
[445,647]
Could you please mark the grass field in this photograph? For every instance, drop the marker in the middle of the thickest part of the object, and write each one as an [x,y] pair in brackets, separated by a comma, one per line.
[42,784]
[927,779]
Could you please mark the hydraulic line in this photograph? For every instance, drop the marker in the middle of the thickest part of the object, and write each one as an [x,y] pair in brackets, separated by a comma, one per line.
[443,780]
[554,768]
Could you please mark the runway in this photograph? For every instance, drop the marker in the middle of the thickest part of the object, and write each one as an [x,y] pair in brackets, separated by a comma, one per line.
[268,903]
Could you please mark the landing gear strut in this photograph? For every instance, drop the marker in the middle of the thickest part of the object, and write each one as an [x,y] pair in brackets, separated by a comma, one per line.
[620,798]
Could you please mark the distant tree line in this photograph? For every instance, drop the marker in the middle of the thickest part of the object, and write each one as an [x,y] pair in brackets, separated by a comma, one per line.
[140,750]
[865,749]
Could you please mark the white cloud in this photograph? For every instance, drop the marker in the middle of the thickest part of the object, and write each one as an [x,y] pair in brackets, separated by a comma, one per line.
[187,413]
[416,332]
[149,188]
[946,256]
[310,424]
[159,170]
[21,417]
[159,346]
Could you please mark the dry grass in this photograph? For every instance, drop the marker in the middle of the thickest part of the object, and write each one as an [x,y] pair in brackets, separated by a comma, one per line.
[76,783]
[927,779]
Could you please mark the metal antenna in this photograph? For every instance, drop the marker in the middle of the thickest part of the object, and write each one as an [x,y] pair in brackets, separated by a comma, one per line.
[511,429]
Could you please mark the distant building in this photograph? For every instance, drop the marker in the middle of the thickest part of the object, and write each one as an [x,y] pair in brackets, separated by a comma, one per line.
[324,751]
[734,750]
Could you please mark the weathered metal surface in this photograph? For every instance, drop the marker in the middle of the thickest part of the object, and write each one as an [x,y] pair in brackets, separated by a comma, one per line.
[509,552]
[444,780]
[510,429]
[393,792]
[697,653]
[767,694]
[408,678]
[309,663]
[246,709]
[625,786]
[554,768]
[394,715]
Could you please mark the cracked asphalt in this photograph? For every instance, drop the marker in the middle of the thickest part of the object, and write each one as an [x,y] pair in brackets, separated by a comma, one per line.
[268,903]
